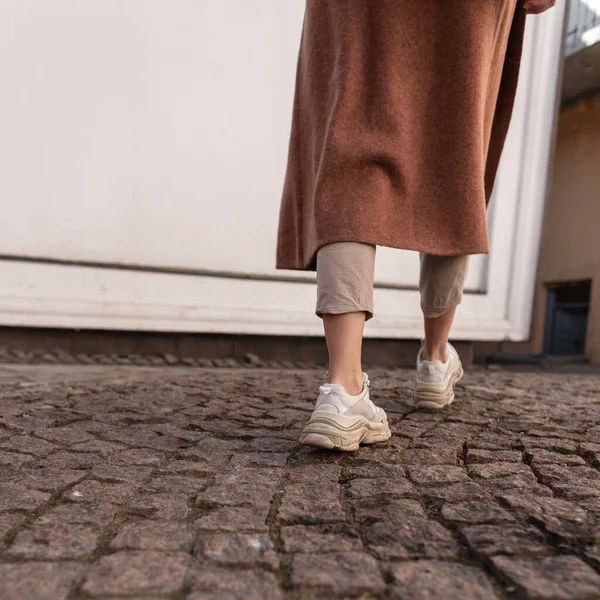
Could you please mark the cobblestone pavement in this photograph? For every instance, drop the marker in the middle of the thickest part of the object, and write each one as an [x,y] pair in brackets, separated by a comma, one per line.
[173,483]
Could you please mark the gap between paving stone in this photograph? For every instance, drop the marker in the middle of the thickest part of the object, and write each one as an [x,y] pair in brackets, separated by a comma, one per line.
[349,512]
[274,525]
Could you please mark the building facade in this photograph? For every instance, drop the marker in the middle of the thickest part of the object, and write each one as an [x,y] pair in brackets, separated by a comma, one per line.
[566,310]
[144,145]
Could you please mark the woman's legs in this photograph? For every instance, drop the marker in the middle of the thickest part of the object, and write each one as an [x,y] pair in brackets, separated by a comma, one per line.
[345,416]
[345,273]
[344,343]
[437,332]
[438,363]
[441,283]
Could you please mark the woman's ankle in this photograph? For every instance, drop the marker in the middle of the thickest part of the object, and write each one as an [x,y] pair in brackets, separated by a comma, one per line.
[436,353]
[352,382]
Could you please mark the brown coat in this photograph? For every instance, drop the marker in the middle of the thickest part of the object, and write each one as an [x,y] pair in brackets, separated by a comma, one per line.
[400,116]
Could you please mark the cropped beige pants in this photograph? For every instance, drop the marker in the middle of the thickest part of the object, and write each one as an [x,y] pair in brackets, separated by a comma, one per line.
[346,271]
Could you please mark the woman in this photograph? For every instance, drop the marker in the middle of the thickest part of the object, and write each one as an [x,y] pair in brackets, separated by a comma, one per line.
[400,116]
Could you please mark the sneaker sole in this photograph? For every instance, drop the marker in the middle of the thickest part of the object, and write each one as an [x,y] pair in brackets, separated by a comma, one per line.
[435,400]
[329,435]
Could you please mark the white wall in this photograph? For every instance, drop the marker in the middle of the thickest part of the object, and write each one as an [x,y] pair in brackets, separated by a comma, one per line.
[146,131]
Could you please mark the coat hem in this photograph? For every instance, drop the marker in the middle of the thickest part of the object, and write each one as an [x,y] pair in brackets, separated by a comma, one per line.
[311,264]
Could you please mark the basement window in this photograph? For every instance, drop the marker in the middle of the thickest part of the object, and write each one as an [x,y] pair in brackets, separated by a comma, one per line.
[567,312]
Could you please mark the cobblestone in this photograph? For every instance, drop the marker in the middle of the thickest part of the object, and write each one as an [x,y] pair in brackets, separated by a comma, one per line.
[235,519]
[551,444]
[457,492]
[415,537]
[51,479]
[54,541]
[29,445]
[42,581]
[63,436]
[376,470]
[320,539]
[13,459]
[550,475]
[7,522]
[547,457]
[139,456]
[500,469]
[98,446]
[437,474]
[94,492]
[591,453]
[389,510]
[492,456]
[306,503]
[425,456]
[550,578]
[142,535]
[425,580]
[71,460]
[215,584]
[16,497]
[159,482]
[80,514]
[345,573]
[491,540]
[137,572]
[250,550]
[473,512]
[189,467]
[190,486]
[259,459]
[366,488]
[118,474]
[160,506]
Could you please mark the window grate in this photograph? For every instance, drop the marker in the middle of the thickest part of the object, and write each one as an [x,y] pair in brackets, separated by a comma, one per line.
[583,29]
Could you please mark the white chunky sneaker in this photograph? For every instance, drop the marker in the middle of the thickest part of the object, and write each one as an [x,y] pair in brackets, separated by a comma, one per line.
[343,422]
[436,380]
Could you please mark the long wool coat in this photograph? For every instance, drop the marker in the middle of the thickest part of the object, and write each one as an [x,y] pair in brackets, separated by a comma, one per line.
[400,116]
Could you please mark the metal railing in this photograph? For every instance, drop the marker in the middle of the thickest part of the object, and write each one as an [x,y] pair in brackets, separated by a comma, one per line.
[583,29]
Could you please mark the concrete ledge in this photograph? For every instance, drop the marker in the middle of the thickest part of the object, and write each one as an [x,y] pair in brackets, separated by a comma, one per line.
[376,352]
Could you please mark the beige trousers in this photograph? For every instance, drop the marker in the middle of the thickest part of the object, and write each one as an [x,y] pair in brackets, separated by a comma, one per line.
[346,270]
